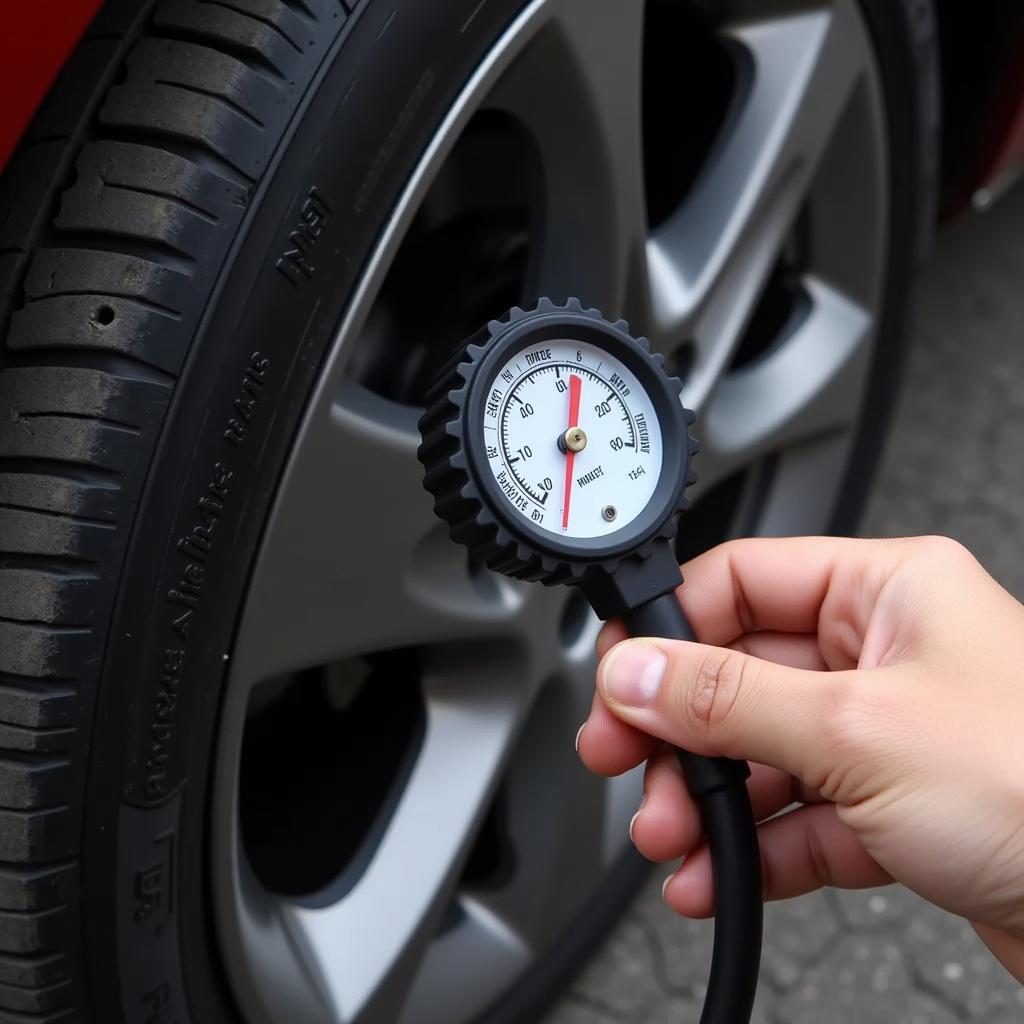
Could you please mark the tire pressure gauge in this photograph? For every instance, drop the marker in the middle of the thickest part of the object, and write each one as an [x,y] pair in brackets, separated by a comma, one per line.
[557,449]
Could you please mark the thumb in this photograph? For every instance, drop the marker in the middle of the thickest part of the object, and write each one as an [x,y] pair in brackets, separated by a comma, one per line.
[716,701]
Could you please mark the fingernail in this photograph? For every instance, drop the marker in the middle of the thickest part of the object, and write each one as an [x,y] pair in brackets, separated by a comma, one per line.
[579,733]
[632,673]
[632,821]
[664,885]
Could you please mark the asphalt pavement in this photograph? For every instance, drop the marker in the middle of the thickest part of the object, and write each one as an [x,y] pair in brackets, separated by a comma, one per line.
[954,465]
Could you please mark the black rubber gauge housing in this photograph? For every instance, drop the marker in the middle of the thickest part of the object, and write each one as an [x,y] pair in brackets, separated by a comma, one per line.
[468,498]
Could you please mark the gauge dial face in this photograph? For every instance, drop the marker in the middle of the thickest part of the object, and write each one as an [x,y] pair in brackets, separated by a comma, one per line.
[572,439]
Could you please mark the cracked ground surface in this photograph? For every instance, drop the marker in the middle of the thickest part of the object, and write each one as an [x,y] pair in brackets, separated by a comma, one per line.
[953,466]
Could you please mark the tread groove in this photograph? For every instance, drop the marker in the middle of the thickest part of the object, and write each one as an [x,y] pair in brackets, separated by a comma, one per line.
[228,6]
[49,627]
[32,759]
[153,250]
[31,682]
[128,428]
[69,517]
[187,146]
[41,810]
[149,304]
[124,365]
[65,566]
[215,96]
[255,61]
[210,218]
[65,469]
[301,8]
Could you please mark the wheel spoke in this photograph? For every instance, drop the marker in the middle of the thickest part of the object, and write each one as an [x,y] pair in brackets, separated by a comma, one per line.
[577,91]
[555,818]
[366,946]
[464,966]
[708,262]
[810,386]
[354,559]
[561,830]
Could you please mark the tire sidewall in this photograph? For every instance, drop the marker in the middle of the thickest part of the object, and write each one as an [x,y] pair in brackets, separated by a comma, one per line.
[904,35]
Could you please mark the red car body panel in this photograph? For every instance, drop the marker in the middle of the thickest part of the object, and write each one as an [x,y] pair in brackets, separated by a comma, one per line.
[36,38]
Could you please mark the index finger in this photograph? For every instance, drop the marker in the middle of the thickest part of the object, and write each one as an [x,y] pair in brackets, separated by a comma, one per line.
[782,584]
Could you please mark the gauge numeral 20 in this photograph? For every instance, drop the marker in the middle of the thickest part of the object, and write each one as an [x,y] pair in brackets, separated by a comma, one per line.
[602,409]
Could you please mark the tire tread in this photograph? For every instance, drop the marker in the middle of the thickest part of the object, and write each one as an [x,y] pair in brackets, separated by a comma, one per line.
[115,215]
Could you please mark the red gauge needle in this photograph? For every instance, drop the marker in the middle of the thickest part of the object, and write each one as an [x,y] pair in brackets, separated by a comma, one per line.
[575,389]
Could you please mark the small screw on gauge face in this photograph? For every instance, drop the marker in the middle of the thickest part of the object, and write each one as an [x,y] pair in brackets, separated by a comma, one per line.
[609,513]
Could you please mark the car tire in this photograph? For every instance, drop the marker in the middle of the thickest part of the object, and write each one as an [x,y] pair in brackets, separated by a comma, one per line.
[180,233]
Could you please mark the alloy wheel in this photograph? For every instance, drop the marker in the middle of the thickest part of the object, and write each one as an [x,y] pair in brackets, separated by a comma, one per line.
[400,825]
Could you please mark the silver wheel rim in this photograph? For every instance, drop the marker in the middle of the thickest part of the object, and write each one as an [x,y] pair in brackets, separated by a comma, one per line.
[506,670]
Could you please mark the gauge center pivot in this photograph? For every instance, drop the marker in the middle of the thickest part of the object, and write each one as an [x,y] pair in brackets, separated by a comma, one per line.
[573,440]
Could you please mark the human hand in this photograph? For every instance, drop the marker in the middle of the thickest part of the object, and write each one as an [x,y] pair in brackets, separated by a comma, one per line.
[879,685]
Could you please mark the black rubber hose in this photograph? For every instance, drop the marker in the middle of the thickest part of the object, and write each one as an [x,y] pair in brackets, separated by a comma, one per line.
[718,784]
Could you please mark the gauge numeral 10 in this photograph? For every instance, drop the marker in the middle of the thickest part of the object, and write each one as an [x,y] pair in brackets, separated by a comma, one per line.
[561,387]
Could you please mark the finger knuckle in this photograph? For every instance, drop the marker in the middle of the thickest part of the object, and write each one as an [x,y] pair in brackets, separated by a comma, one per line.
[946,551]
[714,691]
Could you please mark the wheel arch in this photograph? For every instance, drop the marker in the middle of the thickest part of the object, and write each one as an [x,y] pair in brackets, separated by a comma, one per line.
[35,42]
